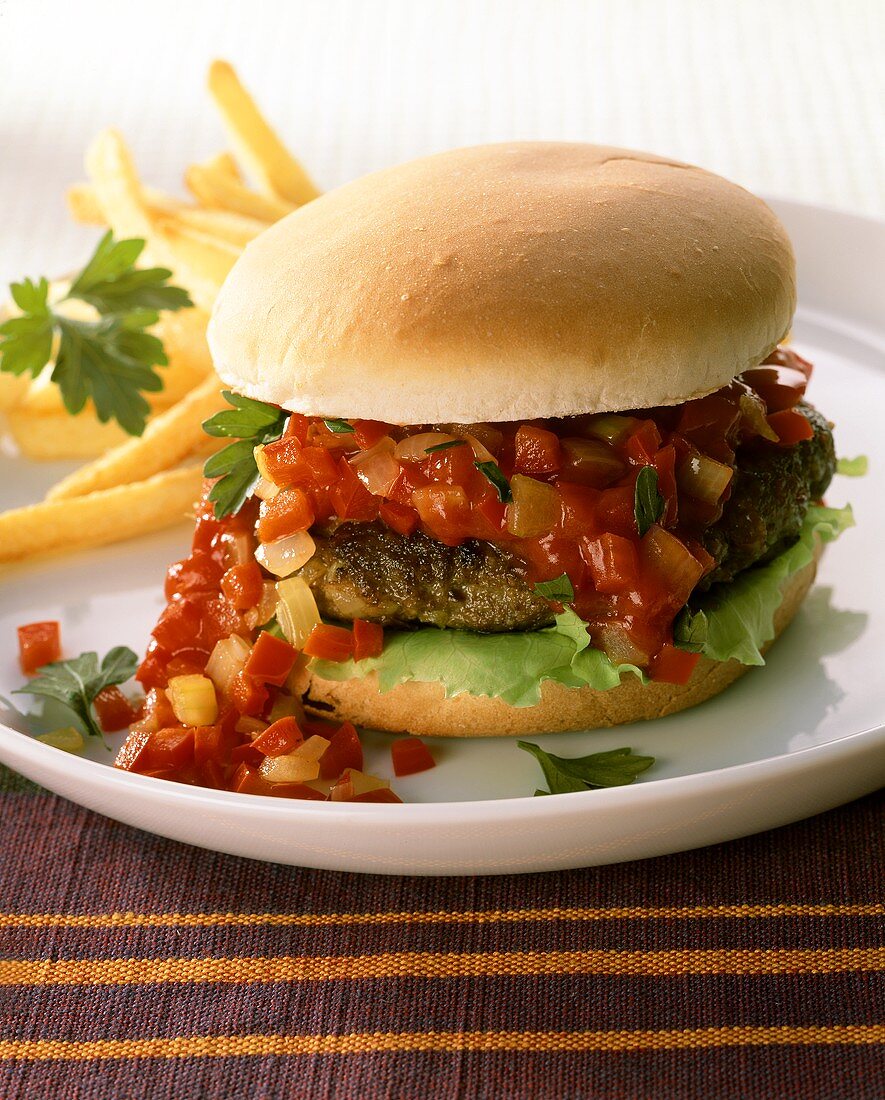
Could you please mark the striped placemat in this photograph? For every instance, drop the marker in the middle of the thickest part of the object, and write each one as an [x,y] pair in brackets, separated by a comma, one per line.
[132,966]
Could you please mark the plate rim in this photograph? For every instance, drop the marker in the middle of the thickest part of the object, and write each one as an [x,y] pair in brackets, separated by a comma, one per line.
[22,746]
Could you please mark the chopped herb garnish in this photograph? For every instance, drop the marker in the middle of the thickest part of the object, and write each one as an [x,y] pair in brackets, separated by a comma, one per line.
[76,682]
[559,589]
[648,504]
[109,359]
[564,775]
[445,446]
[492,471]
[251,423]
[339,427]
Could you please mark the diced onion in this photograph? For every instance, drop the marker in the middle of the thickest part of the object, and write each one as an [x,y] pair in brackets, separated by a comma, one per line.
[377,469]
[298,766]
[610,427]
[704,478]
[480,451]
[486,436]
[287,554]
[753,412]
[668,557]
[265,489]
[290,768]
[226,660]
[414,447]
[258,455]
[352,783]
[250,726]
[297,611]
[591,462]
[193,700]
[614,640]
[238,548]
[266,607]
[67,739]
[535,507]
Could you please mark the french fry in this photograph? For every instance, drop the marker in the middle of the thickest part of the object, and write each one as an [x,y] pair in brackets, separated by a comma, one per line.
[235,229]
[117,186]
[85,207]
[208,257]
[219,191]
[110,515]
[13,388]
[51,436]
[276,171]
[168,439]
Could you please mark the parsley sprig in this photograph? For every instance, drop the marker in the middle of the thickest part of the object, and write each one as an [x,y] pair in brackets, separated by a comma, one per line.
[648,504]
[251,423]
[76,682]
[564,775]
[110,359]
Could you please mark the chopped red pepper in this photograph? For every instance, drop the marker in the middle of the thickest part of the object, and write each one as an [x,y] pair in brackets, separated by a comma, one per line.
[271,660]
[673,666]
[537,451]
[248,695]
[243,585]
[410,756]
[38,644]
[791,427]
[289,512]
[329,643]
[368,639]
[279,738]
[114,710]
[344,751]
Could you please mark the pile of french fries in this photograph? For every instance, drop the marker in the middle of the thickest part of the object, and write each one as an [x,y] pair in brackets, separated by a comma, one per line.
[136,485]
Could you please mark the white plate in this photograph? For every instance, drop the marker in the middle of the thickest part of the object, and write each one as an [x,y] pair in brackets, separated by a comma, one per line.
[798,737]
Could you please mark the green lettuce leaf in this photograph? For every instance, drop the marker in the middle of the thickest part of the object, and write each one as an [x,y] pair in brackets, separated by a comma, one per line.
[737,621]
[512,666]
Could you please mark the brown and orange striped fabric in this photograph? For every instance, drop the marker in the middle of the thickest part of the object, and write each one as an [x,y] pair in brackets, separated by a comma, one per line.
[132,967]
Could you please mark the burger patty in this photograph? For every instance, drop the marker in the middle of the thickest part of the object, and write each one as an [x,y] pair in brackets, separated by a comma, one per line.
[367,571]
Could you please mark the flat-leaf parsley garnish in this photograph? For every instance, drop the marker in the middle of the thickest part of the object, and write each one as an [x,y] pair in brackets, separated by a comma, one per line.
[648,504]
[564,775]
[252,423]
[109,359]
[76,682]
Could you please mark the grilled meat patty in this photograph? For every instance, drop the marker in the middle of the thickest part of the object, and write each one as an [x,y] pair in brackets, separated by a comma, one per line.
[368,571]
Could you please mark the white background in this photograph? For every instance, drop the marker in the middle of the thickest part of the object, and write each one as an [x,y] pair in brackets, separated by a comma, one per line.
[786,96]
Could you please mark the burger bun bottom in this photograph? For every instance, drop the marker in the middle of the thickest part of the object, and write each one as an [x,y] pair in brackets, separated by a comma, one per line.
[422,708]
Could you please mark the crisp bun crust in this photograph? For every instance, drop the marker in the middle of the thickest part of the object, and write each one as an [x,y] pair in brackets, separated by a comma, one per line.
[507,282]
[423,709]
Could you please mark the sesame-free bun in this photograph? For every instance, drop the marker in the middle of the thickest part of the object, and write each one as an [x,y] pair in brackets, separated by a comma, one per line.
[422,708]
[507,282]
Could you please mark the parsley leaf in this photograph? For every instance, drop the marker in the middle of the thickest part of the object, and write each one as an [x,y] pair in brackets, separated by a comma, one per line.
[252,423]
[493,472]
[559,589]
[648,504]
[339,427]
[110,359]
[445,446]
[76,682]
[615,768]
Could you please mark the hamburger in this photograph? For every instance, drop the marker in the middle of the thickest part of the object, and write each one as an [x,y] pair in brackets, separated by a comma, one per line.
[534,454]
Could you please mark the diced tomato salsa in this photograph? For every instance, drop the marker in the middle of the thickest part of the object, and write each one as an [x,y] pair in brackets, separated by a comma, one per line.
[223,706]
[38,644]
